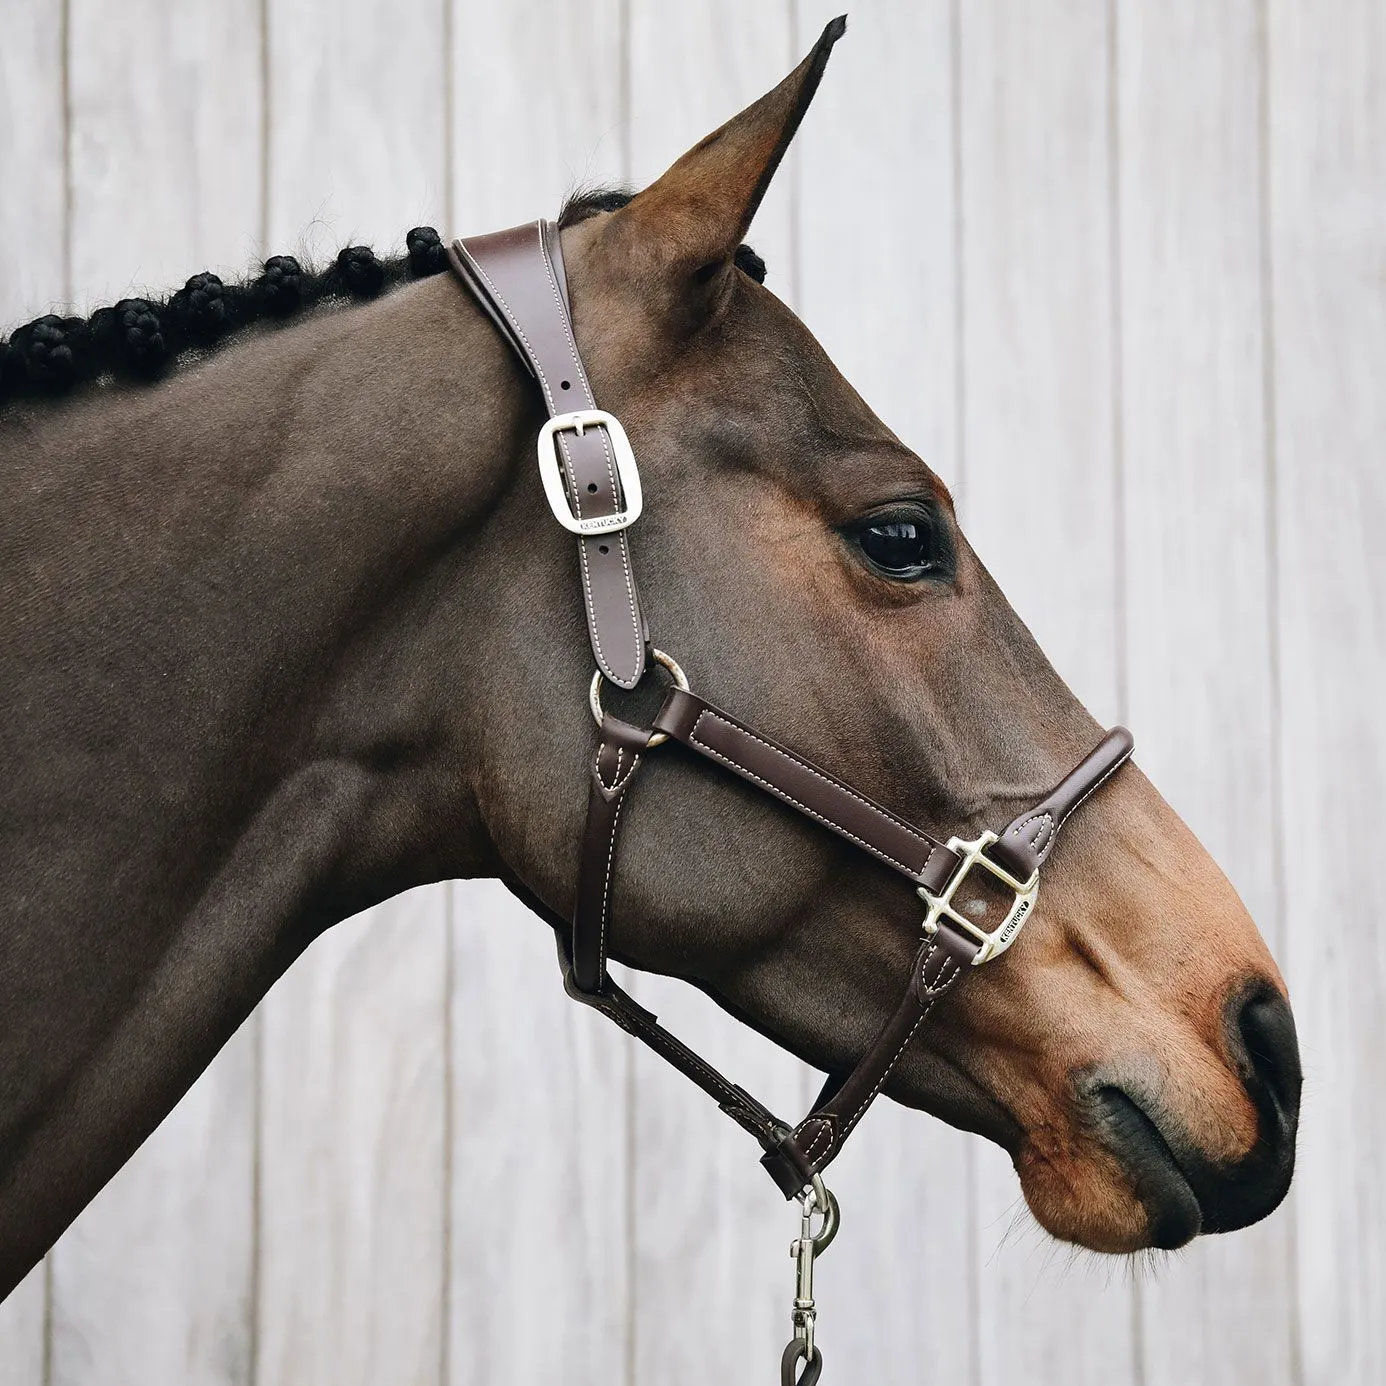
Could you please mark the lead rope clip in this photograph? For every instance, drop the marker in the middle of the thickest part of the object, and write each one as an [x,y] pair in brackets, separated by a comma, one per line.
[816,1200]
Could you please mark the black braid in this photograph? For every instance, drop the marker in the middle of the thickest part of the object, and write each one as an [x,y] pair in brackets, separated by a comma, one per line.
[361,274]
[48,354]
[129,336]
[279,290]
[426,254]
[139,338]
[201,311]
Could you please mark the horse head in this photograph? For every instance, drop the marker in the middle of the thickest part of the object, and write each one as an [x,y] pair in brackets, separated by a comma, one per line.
[1134,1052]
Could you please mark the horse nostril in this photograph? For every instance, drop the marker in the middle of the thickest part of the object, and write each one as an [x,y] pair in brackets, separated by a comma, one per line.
[1264,1030]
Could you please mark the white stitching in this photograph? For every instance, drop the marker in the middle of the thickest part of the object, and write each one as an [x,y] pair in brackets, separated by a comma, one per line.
[619,779]
[606,891]
[515,323]
[1042,852]
[620,539]
[935,993]
[1025,822]
[804,808]
[581,374]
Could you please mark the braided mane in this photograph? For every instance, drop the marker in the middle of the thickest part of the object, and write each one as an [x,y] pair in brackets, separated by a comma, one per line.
[140,339]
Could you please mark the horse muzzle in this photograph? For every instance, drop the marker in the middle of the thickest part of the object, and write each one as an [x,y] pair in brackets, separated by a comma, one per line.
[1183,1191]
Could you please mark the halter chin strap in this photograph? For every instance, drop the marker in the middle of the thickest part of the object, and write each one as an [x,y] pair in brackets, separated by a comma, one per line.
[592,485]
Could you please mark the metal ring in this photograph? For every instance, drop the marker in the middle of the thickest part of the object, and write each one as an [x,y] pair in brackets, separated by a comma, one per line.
[594,694]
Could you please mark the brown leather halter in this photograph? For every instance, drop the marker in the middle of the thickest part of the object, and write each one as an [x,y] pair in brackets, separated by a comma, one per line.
[593,487]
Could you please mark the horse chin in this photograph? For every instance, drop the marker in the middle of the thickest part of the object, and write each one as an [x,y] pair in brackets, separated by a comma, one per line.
[1094,1204]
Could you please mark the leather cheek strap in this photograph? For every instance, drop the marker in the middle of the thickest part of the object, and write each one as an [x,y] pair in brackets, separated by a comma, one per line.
[518,278]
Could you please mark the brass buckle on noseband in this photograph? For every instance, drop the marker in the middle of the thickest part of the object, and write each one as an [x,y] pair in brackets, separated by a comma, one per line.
[995,942]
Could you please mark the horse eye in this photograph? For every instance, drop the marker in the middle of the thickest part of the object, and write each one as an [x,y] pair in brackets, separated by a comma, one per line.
[905,546]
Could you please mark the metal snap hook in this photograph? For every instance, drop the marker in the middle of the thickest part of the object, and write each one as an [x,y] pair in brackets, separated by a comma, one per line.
[815,1200]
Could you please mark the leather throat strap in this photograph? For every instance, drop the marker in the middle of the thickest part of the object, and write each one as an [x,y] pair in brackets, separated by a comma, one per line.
[517,276]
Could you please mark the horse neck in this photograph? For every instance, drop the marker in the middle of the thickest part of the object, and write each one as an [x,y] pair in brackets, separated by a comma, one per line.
[218,748]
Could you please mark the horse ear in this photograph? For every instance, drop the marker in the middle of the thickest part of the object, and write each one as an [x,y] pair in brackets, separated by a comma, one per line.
[685,227]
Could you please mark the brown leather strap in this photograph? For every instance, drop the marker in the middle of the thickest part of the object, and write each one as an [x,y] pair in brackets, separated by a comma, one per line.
[803,785]
[616,761]
[518,277]
[634,1019]
[619,752]
[1030,837]
[807,1150]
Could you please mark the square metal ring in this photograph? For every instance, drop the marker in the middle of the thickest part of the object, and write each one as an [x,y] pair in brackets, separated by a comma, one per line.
[996,941]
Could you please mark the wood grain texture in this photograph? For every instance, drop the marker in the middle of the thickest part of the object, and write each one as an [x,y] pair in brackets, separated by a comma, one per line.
[877,275]
[1195,525]
[353,1163]
[540,1232]
[23,1331]
[33,130]
[153,1281]
[710,1228]
[166,143]
[357,130]
[1062,302]
[352,1189]
[1038,493]
[33,234]
[1327,212]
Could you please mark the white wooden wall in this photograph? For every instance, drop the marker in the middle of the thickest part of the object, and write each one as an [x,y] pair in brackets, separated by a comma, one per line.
[1133,252]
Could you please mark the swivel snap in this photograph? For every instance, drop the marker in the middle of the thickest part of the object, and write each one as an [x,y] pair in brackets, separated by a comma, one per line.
[815,1202]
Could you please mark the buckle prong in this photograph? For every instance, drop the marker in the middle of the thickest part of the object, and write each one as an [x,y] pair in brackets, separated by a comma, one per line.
[996,941]
[565,509]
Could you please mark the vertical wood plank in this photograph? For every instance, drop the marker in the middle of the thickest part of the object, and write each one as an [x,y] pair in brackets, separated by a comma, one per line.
[33,234]
[354,1090]
[153,1280]
[875,213]
[351,1184]
[166,143]
[539,1231]
[708,1223]
[1327,211]
[33,126]
[1197,587]
[23,1331]
[1039,476]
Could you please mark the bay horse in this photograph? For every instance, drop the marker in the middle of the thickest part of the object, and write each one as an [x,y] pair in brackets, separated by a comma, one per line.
[288,629]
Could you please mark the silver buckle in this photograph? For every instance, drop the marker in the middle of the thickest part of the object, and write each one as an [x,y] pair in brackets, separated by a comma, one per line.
[996,942]
[551,472]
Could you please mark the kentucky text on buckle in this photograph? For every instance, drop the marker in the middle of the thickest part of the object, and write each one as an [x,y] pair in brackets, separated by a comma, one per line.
[569,513]
[996,941]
